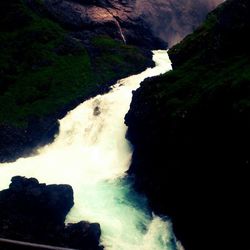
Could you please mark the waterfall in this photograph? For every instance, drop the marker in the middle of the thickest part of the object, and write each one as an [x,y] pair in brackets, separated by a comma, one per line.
[120,30]
[92,155]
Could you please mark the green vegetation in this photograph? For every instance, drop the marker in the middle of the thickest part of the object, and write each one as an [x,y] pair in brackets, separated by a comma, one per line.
[114,57]
[43,68]
[187,86]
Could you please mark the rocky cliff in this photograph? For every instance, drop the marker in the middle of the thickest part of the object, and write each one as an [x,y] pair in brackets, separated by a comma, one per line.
[190,131]
[35,213]
[142,22]
[117,19]
[172,20]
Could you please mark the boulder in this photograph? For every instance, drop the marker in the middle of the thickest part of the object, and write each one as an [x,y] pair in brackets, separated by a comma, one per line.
[36,213]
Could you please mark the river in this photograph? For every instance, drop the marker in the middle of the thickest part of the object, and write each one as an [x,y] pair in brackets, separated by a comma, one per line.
[91,154]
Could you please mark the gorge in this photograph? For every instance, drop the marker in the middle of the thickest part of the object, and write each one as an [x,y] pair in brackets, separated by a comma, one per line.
[186,154]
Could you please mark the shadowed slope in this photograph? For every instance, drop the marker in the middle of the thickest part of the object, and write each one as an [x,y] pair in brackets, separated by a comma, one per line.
[190,130]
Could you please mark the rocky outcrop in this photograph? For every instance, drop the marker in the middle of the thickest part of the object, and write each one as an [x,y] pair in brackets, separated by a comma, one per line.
[35,213]
[190,132]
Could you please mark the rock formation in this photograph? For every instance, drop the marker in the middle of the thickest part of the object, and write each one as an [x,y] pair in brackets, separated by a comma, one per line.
[35,213]
[141,22]
[172,20]
[117,19]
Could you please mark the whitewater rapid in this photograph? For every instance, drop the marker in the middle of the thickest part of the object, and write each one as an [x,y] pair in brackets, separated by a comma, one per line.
[92,155]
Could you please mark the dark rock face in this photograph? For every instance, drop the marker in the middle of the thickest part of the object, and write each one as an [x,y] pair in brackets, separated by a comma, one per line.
[146,23]
[172,20]
[190,132]
[35,213]
[117,19]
